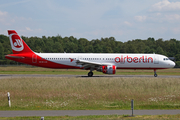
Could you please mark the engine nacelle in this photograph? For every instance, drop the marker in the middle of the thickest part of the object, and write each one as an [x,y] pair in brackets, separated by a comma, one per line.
[107,69]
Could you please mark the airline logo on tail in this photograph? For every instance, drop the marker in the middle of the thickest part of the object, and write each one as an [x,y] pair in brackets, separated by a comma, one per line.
[16,42]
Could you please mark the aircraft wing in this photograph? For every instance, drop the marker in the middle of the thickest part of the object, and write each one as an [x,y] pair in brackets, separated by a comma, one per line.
[88,64]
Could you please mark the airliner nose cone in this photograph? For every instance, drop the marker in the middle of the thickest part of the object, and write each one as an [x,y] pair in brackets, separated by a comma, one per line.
[173,64]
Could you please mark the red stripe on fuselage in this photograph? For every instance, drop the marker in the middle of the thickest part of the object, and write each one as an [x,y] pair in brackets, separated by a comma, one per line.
[38,61]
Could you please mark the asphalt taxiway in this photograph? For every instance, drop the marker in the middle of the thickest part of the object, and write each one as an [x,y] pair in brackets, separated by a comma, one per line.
[83,76]
[43,113]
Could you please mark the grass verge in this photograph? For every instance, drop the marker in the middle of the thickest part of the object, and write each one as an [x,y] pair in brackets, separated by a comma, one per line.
[101,117]
[54,93]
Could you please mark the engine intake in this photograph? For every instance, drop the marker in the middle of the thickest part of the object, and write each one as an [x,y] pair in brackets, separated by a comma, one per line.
[107,69]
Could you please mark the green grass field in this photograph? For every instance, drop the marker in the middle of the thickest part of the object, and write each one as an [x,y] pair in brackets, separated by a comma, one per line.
[58,93]
[99,117]
[63,93]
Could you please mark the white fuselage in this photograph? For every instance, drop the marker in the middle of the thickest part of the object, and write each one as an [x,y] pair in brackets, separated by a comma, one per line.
[121,61]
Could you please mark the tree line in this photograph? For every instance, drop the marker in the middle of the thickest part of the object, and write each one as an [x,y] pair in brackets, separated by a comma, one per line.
[58,44]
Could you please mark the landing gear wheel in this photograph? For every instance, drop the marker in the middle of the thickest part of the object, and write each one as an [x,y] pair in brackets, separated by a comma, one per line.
[90,74]
[155,75]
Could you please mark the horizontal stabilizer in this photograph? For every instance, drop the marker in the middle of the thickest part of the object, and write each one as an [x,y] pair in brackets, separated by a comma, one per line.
[18,57]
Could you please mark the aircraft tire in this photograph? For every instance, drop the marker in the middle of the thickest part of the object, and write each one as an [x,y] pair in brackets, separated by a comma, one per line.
[155,75]
[90,74]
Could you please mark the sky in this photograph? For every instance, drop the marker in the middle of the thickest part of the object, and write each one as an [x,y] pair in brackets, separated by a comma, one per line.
[92,19]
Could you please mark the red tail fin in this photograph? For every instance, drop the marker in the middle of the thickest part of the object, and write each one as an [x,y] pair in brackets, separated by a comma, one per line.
[17,44]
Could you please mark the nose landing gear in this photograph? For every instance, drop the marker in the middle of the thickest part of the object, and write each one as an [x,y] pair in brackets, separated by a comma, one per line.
[155,75]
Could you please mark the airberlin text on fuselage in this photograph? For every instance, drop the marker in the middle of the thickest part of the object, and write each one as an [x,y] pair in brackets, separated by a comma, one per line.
[142,59]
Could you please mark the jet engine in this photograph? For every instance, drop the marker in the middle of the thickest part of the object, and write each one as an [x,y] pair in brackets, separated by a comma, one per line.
[107,69]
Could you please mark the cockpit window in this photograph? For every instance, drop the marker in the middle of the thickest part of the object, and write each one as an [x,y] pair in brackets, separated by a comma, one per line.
[166,59]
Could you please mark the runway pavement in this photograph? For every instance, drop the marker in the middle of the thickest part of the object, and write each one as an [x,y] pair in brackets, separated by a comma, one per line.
[83,76]
[85,112]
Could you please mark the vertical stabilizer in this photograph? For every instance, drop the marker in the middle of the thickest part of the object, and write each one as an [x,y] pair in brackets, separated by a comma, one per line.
[17,44]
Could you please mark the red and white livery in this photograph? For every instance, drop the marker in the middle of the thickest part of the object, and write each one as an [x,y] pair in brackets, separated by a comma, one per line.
[103,62]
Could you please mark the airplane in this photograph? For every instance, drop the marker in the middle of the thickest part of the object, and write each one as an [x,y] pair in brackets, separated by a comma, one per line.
[102,62]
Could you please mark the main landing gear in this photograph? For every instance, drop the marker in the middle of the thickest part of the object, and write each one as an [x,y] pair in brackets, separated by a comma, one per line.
[90,74]
[155,75]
